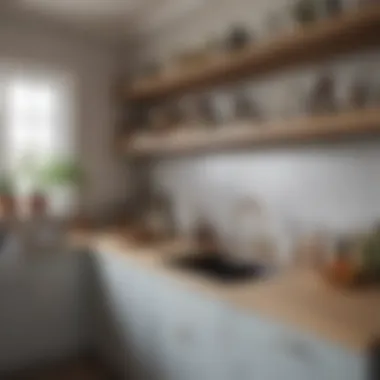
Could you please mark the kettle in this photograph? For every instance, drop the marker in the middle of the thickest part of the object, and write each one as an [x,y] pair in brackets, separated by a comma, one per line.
[254,233]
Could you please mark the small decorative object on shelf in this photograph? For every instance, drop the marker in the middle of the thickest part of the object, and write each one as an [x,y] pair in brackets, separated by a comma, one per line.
[305,11]
[322,99]
[238,38]
[174,116]
[246,108]
[333,7]
[207,109]
[360,94]
[157,119]
[223,108]
[188,109]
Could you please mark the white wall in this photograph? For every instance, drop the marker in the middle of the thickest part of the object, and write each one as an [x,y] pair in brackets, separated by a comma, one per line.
[93,67]
[304,188]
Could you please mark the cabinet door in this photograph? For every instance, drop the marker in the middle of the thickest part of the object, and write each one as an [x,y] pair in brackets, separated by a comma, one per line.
[340,363]
[44,313]
[262,350]
[138,315]
[108,277]
[299,355]
[130,296]
[191,337]
[244,347]
[288,357]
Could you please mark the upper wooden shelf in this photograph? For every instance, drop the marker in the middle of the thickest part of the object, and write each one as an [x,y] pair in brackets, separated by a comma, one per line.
[347,33]
[191,140]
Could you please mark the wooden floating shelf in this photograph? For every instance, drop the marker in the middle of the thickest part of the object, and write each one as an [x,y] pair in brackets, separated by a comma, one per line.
[192,140]
[347,33]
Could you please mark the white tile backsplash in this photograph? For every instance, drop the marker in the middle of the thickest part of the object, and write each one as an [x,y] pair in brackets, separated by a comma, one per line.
[309,188]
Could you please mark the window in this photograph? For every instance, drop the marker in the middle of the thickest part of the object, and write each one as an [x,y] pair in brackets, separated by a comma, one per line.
[35,122]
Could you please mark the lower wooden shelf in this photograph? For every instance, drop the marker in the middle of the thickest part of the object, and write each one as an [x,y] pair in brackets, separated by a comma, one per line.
[241,135]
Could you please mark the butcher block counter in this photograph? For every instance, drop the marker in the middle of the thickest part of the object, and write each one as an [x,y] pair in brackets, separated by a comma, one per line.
[296,297]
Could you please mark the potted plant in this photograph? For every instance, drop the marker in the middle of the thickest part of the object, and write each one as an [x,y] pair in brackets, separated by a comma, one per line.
[29,175]
[61,178]
[7,198]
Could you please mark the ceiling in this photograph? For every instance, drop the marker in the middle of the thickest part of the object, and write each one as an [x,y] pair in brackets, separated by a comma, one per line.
[115,18]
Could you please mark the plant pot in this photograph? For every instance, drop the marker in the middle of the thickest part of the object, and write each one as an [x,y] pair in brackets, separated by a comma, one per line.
[38,204]
[7,206]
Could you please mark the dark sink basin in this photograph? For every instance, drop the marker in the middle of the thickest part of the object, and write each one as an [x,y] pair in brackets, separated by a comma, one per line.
[220,268]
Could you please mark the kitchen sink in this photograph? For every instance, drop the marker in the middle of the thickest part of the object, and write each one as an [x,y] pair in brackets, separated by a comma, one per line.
[219,267]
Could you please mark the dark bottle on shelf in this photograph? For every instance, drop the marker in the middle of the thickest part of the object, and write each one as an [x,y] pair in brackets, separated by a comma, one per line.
[238,38]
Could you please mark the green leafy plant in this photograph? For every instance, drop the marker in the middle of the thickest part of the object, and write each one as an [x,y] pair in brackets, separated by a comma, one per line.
[6,185]
[372,254]
[61,172]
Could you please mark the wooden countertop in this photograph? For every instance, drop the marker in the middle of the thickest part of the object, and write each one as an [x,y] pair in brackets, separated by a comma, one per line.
[297,297]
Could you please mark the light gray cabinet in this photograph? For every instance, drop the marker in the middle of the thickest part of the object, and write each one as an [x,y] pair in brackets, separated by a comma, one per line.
[140,323]
[265,350]
[44,310]
[191,335]
[172,333]
[130,324]
[168,333]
